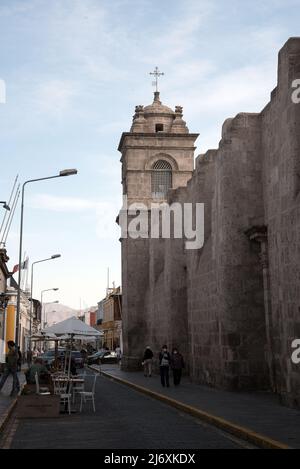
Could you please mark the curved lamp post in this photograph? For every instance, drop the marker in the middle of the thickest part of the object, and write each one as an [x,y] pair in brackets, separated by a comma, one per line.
[44,315]
[64,173]
[5,206]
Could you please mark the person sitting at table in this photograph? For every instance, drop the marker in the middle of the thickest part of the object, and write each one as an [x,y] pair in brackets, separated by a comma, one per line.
[39,368]
[56,365]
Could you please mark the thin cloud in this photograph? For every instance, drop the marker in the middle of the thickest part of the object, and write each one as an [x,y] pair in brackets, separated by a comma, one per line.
[105,211]
[68,204]
[86,34]
[13,9]
[61,204]
[179,37]
[113,127]
[55,97]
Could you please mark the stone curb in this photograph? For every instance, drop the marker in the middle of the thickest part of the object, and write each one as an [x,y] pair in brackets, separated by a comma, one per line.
[243,433]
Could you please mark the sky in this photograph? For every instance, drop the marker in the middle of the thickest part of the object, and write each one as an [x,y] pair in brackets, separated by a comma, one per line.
[74,70]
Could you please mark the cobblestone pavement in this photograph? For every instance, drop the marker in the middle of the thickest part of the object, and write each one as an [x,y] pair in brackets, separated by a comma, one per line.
[124,419]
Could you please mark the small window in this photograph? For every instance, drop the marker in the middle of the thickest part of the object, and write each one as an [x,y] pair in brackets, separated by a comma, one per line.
[159,127]
[161,179]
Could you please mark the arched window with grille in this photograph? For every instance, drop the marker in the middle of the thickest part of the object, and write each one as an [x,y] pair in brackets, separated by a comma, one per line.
[161,179]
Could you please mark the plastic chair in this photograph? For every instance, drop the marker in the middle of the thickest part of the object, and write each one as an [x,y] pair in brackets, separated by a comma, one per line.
[78,388]
[62,389]
[88,396]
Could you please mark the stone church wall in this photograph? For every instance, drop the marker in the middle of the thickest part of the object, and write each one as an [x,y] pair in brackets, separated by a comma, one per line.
[211,303]
[226,304]
[281,182]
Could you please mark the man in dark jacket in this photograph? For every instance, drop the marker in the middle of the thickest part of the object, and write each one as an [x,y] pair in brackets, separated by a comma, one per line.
[164,366]
[177,364]
[147,361]
[11,368]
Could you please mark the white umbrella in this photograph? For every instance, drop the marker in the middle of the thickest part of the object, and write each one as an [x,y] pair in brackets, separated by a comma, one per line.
[72,327]
[43,336]
[86,338]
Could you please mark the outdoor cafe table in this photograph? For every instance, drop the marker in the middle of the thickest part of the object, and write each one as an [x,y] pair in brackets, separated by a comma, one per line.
[69,380]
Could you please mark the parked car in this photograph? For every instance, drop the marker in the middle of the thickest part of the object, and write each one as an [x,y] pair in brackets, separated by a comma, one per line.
[102,357]
[49,356]
[95,359]
[111,357]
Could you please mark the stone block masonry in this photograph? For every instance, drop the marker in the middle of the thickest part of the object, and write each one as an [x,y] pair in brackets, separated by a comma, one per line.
[233,306]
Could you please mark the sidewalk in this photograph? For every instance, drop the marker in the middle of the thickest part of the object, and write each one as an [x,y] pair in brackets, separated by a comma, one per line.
[249,415]
[8,403]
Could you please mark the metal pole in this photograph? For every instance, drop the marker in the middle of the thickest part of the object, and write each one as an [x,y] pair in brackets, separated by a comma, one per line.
[31,293]
[63,173]
[31,314]
[13,210]
[42,314]
[20,269]
[9,202]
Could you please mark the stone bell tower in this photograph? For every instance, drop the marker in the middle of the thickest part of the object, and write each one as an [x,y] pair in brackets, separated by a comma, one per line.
[157,156]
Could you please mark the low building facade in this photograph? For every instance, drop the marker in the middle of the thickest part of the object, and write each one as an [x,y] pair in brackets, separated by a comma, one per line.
[111,325]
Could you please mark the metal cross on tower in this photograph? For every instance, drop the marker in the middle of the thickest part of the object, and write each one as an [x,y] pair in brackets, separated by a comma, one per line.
[157,74]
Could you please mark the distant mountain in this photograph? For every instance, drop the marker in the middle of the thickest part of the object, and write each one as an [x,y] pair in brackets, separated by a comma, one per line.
[57,312]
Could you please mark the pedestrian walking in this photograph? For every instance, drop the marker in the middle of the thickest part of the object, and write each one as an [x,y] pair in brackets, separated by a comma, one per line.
[118,352]
[11,368]
[147,362]
[29,357]
[177,364]
[164,366]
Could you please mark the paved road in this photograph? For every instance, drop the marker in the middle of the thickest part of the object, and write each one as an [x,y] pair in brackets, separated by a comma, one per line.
[260,412]
[125,419]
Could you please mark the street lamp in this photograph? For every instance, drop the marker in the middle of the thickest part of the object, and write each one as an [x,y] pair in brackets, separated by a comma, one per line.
[46,325]
[5,206]
[63,173]
[55,256]
[43,315]
[46,314]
